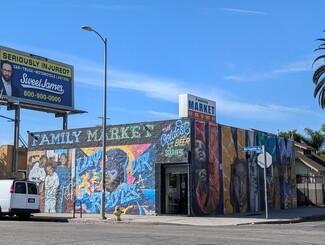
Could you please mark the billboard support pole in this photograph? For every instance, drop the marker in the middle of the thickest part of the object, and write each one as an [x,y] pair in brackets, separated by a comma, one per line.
[65,121]
[16,139]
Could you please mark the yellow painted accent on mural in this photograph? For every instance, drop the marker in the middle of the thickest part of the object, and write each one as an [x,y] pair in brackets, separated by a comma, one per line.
[85,184]
[241,142]
[132,151]
[90,150]
[228,152]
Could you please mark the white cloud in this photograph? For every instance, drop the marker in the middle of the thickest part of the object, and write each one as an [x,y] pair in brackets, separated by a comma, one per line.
[242,11]
[152,87]
[163,114]
[169,89]
[252,77]
[261,112]
[293,67]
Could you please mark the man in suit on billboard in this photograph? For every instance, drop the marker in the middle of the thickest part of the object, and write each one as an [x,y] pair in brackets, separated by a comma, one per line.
[6,85]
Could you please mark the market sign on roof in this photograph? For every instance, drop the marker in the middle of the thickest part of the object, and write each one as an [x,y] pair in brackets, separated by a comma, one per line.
[196,107]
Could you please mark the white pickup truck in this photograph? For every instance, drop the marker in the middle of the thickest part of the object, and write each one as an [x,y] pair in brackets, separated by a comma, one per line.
[18,197]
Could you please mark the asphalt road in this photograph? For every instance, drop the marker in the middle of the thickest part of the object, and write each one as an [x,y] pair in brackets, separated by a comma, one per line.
[13,232]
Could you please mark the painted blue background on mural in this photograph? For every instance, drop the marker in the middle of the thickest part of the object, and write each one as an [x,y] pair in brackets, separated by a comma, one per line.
[129,183]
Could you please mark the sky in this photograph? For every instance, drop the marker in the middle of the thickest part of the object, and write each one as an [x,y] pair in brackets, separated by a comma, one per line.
[254,58]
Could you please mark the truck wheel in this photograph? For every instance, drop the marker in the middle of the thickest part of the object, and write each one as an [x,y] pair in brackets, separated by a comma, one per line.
[0,214]
[24,216]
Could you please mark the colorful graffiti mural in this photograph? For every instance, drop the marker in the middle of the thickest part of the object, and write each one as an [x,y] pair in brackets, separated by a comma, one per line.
[252,172]
[238,175]
[51,170]
[129,180]
[67,167]
[206,188]
[175,141]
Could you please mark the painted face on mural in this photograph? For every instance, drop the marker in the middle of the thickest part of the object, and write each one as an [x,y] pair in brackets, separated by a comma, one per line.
[49,169]
[43,161]
[64,160]
[115,161]
[240,184]
[200,155]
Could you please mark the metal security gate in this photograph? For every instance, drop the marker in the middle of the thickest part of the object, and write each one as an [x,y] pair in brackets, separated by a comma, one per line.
[310,189]
[174,190]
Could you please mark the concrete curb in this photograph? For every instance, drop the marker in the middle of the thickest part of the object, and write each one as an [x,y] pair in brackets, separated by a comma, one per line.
[299,215]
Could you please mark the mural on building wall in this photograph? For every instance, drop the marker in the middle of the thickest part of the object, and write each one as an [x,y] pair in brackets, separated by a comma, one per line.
[129,179]
[271,173]
[235,170]
[272,185]
[252,172]
[51,170]
[175,141]
[214,167]
[67,166]
[200,170]
[286,162]
[239,173]
[242,178]
[228,155]
[206,169]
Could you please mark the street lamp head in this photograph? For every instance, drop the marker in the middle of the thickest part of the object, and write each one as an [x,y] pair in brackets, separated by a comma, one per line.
[87,28]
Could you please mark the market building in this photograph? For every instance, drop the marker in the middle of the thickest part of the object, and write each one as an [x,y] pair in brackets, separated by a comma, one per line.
[185,166]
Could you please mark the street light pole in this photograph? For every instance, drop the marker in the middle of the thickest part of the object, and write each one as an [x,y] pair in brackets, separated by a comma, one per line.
[102,211]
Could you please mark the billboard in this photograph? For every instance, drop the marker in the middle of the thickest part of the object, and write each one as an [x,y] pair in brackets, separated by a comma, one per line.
[197,107]
[36,80]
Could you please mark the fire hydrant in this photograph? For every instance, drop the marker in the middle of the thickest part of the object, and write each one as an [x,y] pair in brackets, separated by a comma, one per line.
[117,212]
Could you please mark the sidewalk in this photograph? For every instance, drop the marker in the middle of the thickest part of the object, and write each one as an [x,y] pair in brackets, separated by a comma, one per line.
[275,216]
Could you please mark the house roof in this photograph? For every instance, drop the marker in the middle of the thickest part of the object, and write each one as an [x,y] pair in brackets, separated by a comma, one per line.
[313,161]
[303,146]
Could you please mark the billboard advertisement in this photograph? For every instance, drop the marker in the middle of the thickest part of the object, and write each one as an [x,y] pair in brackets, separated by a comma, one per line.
[36,80]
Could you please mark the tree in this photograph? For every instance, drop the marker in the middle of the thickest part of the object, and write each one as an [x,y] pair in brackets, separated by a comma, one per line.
[292,135]
[319,77]
[315,138]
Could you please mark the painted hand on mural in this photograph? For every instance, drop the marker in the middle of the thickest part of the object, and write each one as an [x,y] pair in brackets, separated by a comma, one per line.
[202,185]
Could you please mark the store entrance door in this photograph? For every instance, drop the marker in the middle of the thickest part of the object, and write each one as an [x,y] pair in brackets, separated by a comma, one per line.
[176,190]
